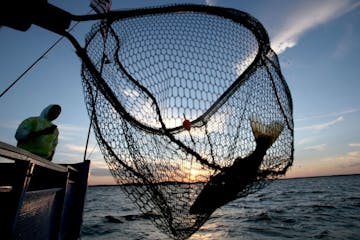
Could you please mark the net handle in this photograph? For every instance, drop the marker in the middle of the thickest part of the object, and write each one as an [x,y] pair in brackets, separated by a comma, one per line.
[58,20]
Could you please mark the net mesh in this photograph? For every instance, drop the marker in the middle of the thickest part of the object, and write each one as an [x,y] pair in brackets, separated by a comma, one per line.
[173,105]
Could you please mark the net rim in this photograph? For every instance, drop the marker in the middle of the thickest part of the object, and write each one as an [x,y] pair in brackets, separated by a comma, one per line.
[237,16]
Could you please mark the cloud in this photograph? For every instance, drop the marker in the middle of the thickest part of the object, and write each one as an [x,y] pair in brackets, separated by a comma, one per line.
[354,144]
[68,128]
[343,46]
[70,132]
[71,128]
[99,164]
[9,125]
[100,172]
[322,126]
[353,155]
[99,168]
[320,147]
[131,93]
[210,2]
[75,148]
[331,114]
[346,163]
[75,153]
[349,160]
[305,141]
[307,16]
[346,42]
[67,157]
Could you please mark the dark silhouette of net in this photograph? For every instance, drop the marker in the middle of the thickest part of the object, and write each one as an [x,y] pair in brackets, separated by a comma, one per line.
[180,91]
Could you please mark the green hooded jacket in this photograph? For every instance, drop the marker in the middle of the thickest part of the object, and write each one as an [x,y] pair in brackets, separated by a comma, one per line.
[38,135]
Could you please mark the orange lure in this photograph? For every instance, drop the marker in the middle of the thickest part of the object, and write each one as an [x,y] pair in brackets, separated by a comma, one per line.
[187,124]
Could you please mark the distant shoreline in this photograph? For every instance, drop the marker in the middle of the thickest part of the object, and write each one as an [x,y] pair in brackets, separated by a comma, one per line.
[335,175]
[339,175]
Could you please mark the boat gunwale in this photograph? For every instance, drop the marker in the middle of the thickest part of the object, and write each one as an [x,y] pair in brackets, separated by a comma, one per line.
[10,152]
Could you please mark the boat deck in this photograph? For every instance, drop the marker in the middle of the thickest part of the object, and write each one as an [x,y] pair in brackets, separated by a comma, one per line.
[40,199]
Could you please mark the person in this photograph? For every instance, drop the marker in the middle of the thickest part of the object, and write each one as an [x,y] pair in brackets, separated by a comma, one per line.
[39,135]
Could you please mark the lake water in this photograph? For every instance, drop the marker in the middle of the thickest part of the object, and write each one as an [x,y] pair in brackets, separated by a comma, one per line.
[306,208]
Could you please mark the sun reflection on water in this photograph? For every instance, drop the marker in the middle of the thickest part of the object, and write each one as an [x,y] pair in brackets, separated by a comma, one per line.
[210,232]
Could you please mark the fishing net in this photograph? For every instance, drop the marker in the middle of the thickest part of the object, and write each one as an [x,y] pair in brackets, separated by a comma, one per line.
[179,91]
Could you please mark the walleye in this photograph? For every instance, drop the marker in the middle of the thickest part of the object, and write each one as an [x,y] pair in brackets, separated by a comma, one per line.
[225,186]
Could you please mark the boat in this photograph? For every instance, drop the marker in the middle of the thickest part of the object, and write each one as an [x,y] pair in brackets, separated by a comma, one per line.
[40,199]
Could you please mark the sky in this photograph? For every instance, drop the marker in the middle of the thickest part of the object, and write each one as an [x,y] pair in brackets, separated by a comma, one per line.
[317,43]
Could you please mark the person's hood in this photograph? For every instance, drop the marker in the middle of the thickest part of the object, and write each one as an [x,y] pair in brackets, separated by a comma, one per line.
[45,113]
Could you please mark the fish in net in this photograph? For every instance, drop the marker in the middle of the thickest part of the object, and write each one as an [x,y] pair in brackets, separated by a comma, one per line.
[190,109]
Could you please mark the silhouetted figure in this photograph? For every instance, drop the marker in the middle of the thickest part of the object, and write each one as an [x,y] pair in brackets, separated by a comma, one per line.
[39,135]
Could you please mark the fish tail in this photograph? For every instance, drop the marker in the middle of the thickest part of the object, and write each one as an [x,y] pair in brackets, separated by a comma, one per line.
[265,133]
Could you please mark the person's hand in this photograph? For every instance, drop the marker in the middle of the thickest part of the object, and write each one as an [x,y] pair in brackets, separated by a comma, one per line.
[48,130]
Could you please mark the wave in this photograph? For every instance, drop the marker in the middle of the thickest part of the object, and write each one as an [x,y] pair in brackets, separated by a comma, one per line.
[315,208]
[130,217]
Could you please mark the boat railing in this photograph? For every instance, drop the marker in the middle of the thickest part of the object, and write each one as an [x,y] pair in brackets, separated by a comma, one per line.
[40,199]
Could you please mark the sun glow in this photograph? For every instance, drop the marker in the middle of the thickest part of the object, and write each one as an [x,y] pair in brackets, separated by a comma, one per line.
[198,175]
[194,174]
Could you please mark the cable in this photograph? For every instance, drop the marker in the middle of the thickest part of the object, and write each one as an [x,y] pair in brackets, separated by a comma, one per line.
[31,66]
[37,60]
